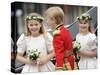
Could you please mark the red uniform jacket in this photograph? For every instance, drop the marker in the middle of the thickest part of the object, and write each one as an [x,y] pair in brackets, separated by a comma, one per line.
[61,43]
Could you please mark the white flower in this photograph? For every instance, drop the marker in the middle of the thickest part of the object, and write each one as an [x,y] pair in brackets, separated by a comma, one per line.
[34,17]
[77,45]
[36,53]
[29,17]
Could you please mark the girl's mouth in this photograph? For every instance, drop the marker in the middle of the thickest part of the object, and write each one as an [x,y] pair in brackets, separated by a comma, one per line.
[34,30]
[83,27]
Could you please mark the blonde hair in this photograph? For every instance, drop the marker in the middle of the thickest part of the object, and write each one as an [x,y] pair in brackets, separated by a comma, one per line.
[86,17]
[91,28]
[42,29]
[57,13]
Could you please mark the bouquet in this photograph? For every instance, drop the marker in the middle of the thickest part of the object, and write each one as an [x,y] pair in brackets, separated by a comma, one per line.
[76,48]
[33,54]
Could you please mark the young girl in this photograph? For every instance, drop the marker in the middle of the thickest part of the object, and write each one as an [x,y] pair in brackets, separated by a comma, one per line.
[36,38]
[87,39]
[62,39]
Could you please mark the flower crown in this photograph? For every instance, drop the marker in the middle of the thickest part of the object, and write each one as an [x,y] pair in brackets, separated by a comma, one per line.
[85,17]
[38,18]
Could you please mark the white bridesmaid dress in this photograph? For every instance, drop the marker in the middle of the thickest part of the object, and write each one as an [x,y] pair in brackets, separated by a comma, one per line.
[88,42]
[44,45]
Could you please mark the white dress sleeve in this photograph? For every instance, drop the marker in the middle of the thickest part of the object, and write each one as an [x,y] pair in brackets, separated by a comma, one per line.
[21,44]
[77,37]
[92,41]
[49,42]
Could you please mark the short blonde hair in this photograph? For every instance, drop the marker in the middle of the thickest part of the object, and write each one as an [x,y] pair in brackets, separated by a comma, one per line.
[55,12]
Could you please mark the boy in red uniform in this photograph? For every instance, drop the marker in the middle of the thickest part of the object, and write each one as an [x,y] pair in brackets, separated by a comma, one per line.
[62,39]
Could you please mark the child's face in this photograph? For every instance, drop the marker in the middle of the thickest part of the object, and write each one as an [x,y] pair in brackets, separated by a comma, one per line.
[34,26]
[51,21]
[83,26]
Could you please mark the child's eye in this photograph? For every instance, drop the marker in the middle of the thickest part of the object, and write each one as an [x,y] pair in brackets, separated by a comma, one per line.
[31,24]
[36,24]
[84,23]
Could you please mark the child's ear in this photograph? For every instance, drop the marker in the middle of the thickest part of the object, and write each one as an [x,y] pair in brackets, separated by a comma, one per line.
[55,21]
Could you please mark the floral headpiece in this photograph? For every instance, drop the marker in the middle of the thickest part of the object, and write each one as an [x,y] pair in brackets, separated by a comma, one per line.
[85,17]
[38,18]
